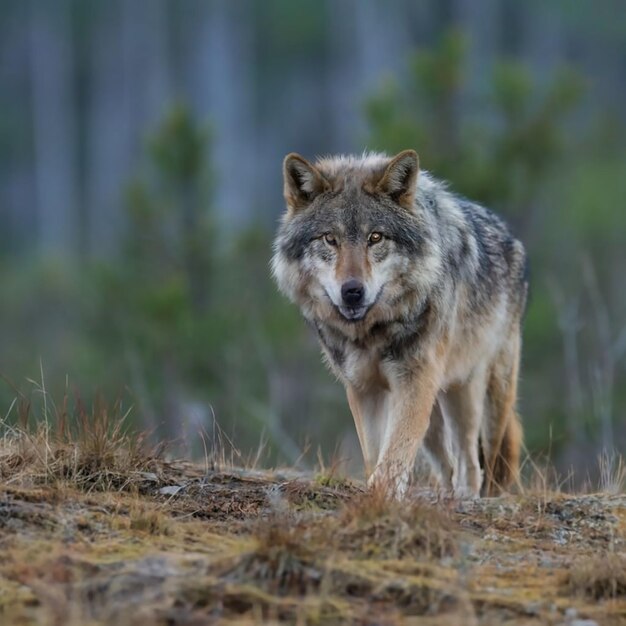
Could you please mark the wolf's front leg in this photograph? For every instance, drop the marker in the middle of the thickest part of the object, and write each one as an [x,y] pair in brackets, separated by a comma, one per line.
[368,409]
[411,404]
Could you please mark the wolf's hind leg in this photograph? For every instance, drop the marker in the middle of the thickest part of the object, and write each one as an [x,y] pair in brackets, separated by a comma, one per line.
[463,405]
[437,448]
[502,432]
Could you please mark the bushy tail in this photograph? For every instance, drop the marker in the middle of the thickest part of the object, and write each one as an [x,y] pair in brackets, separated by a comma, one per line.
[503,471]
[502,434]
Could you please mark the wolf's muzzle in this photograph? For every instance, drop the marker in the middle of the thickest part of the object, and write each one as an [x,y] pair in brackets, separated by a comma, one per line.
[352,293]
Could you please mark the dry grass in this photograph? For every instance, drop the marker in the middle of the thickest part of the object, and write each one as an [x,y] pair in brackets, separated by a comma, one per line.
[612,473]
[89,536]
[287,558]
[599,577]
[373,526]
[90,448]
[150,519]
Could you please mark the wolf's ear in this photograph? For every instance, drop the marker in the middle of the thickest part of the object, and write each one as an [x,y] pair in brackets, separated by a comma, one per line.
[400,178]
[303,182]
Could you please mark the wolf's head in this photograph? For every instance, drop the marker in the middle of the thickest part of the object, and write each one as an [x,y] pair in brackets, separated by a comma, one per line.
[354,246]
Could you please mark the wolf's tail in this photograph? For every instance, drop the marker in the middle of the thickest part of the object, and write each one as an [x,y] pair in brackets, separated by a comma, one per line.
[501,437]
[504,469]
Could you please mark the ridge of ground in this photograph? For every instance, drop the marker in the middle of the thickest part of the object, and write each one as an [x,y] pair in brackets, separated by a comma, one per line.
[162,542]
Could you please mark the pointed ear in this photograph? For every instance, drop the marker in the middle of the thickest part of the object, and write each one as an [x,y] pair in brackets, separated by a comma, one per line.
[302,182]
[400,178]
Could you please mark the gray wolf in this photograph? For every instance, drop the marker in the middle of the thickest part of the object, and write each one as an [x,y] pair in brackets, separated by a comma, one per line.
[417,297]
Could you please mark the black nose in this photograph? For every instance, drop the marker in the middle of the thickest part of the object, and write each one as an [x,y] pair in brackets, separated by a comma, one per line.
[352,292]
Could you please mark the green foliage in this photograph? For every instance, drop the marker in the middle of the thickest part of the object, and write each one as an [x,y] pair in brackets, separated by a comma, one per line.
[179,147]
[164,279]
[497,147]
[199,320]
[186,319]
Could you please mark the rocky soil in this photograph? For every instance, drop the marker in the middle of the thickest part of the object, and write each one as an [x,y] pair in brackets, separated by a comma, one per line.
[163,543]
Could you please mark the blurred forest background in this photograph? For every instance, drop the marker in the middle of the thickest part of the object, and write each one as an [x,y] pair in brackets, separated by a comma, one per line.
[140,185]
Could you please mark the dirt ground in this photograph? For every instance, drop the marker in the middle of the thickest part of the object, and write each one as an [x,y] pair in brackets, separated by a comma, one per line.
[174,544]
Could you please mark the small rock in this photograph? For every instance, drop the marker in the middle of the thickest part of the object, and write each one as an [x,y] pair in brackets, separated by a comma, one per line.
[276,499]
[571,613]
[583,622]
[170,490]
[533,608]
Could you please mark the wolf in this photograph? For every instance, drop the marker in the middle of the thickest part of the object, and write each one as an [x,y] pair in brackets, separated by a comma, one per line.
[417,297]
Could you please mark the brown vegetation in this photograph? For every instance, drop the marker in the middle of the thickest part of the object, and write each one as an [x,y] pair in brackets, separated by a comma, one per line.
[600,577]
[97,528]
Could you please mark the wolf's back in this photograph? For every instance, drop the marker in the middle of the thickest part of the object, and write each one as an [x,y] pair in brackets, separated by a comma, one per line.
[477,246]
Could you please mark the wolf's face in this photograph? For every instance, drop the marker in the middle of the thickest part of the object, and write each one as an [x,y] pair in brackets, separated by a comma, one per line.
[351,240]
[349,254]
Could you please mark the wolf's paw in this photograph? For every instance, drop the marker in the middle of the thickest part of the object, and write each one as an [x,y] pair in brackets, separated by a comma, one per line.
[466,493]
[393,486]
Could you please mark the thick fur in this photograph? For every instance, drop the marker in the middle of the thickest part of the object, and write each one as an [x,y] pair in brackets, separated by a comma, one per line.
[432,356]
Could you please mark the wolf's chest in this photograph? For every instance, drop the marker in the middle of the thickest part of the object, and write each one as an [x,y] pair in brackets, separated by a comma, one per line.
[364,369]
[370,362]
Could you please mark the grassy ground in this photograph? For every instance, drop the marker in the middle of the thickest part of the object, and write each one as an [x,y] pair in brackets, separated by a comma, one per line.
[95,529]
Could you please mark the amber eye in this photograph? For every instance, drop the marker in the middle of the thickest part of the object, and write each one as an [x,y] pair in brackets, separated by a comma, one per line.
[375,238]
[330,239]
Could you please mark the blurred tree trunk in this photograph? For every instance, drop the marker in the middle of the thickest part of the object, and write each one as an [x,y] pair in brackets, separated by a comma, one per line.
[511,27]
[365,44]
[109,127]
[479,18]
[224,62]
[131,87]
[54,126]
[17,175]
